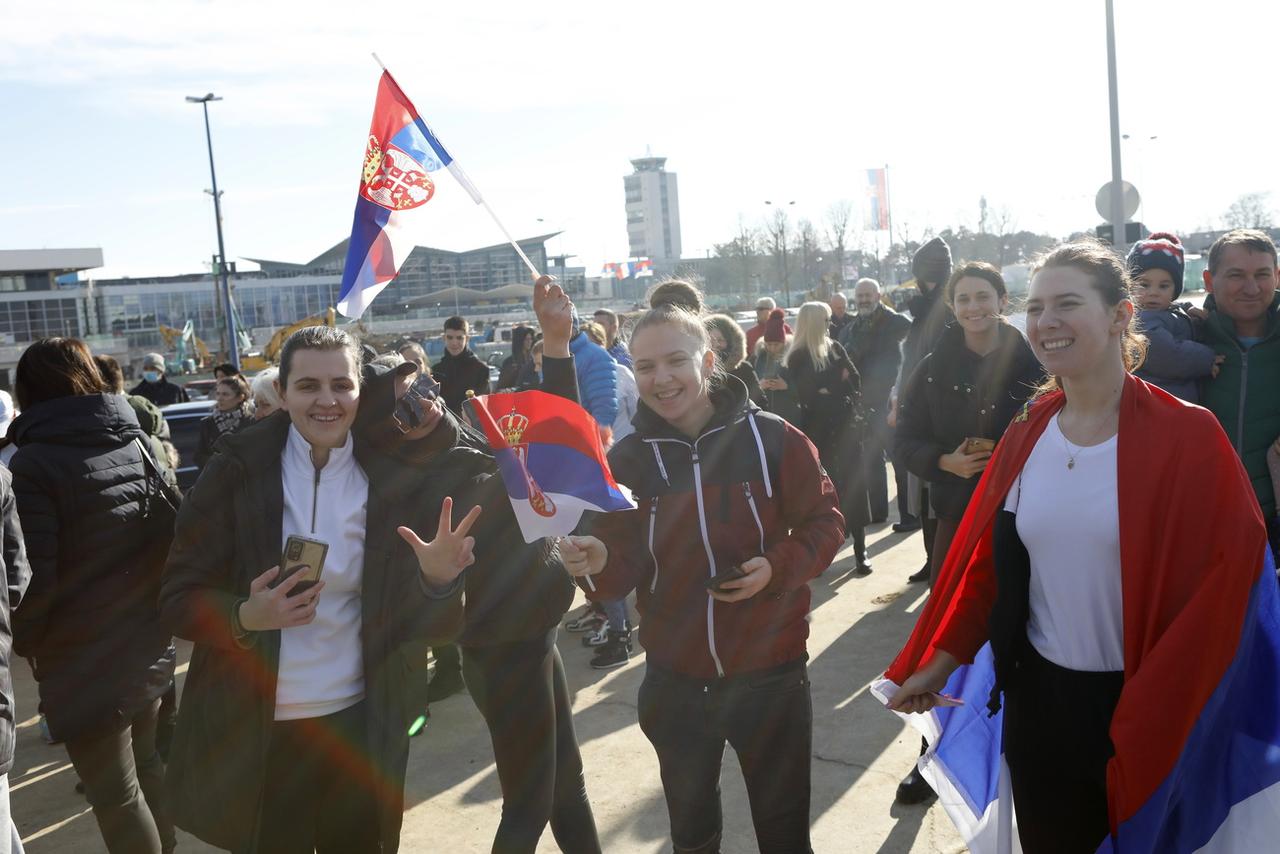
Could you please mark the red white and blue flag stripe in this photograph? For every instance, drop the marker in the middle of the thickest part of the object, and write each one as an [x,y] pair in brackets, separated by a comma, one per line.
[1222,795]
[401,161]
[1196,731]
[878,194]
[552,463]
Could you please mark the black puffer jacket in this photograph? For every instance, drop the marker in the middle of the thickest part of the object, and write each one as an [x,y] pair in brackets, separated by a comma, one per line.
[89,619]
[954,395]
[17,575]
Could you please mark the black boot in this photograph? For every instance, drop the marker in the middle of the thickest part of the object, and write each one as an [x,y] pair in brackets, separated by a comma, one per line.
[921,575]
[863,567]
[914,788]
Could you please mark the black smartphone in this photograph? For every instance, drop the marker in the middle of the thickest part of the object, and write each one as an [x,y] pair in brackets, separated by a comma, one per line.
[716,582]
[302,556]
[411,409]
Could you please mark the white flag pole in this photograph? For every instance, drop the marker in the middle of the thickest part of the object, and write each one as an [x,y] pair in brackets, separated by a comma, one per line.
[474,193]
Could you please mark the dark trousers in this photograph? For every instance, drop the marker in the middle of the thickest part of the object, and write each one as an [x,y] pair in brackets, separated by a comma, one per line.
[928,523]
[123,778]
[902,482]
[447,658]
[1059,783]
[767,717]
[944,532]
[318,791]
[521,690]
[877,442]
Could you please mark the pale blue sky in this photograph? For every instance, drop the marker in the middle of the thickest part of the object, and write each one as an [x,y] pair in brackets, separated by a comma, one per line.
[544,104]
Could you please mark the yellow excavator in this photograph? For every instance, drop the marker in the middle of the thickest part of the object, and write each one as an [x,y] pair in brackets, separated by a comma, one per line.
[251,362]
[186,346]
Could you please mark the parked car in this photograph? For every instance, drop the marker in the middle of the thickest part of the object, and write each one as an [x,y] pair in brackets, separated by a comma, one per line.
[200,389]
[184,431]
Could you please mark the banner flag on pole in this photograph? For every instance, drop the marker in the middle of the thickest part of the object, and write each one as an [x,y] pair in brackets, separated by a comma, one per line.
[878,194]
[402,160]
[552,463]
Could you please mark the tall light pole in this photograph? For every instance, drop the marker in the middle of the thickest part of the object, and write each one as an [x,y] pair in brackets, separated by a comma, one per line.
[1117,185]
[233,350]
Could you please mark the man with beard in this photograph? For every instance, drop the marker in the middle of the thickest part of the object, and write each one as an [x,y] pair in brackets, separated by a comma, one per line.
[873,338]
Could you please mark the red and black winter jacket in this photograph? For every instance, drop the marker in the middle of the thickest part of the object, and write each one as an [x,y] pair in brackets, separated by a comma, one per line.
[750,485]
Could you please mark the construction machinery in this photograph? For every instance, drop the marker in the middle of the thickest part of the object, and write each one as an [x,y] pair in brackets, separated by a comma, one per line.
[270,353]
[190,353]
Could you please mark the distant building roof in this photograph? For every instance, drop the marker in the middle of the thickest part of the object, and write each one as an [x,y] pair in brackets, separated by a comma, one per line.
[56,260]
[335,257]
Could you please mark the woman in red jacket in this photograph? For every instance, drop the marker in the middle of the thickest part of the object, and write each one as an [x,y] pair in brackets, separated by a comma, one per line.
[735,515]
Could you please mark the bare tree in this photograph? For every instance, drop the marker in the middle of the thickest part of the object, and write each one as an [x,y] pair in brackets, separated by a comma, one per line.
[778,228]
[1252,210]
[1003,225]
[809,243]
[746,244]
[839,215]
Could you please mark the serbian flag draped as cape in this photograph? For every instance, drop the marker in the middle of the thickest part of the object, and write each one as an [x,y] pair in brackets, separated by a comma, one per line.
[552,463]
[402,160]
[1197,727]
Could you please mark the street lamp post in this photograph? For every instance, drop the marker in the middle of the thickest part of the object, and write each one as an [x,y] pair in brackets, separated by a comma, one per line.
[233,350]
[1117,185]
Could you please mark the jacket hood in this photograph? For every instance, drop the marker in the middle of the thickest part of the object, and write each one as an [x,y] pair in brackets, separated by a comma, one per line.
[85,420]
[728,397]
[1012,347]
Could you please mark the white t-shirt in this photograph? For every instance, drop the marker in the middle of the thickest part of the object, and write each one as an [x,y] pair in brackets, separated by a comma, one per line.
[1069,520]
[321,663]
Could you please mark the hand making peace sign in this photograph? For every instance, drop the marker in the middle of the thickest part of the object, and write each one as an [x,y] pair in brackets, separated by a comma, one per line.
[443,559]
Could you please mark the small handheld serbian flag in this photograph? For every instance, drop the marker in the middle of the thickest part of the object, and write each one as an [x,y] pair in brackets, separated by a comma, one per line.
[552,463]
[395,184]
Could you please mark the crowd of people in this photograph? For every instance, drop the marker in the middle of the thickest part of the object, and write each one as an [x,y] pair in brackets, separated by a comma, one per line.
[753,456]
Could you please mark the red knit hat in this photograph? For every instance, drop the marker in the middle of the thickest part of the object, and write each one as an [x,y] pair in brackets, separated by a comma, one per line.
[775,326]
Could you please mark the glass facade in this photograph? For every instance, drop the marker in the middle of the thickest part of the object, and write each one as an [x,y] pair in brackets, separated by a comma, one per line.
[23,321]
[133,310]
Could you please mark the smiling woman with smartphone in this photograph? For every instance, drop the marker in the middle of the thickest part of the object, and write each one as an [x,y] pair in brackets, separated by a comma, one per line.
[960,398]
[293,729]
[735,517]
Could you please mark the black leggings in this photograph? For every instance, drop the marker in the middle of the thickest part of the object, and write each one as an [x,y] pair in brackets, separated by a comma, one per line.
[521,690]
[1059,780]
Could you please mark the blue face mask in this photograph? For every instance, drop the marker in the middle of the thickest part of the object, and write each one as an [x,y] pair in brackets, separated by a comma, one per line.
[151,376]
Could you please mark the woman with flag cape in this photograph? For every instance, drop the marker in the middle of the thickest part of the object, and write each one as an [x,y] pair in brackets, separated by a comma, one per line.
[1099,656]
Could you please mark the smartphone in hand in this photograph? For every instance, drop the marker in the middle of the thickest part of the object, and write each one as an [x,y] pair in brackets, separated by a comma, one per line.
[302,556]
[979,446]
[716,583]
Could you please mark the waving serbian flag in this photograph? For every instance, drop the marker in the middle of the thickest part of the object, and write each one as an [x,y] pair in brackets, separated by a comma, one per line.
[1197,727]
[552,463]
[402,161]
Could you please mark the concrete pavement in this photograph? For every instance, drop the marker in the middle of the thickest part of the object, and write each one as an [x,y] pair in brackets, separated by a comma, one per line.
[452,796]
